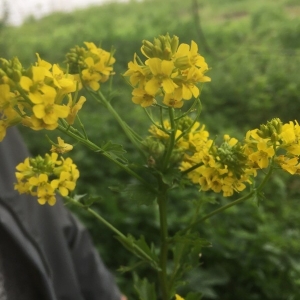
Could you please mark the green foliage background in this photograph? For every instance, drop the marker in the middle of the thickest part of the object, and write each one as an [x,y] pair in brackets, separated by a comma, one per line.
[253,49]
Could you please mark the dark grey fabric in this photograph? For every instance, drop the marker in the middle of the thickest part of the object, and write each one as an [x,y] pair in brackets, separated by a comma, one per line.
[52,239]
[18,271]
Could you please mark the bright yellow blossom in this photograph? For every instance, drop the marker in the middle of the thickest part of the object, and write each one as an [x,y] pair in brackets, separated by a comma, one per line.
[262,156]
[50,112]
[74,108]
[61,147]
[36,87]
[140,96]
[64,184]
[161,70]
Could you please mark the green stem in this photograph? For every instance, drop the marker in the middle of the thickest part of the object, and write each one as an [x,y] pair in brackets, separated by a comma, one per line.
[196,166]
[96,148]
[171,141]
[177,264]
[132,135]
[240,200]
[135,247]
[194,121]
[162,204]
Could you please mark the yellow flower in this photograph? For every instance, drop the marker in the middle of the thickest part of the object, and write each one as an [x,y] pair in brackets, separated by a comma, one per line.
[49,112]
[156,132]
[291,165]
[3,127]
[24,169]
[136,72]
[290,136]
[162,71]
[46,196]
[36,87]
[177,297]
[43,63]
[140,96]
[38,124]
[61,147]
[262,156]
[64,184]
[91,75]
[74,108]
[65,82]
[174,99]
[190,56]
[188,85]
[71,168]
[5,97]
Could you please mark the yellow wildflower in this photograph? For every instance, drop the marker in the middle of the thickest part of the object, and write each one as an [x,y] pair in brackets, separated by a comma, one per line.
[49,112]
[291,165]
[74,108]
[36,87]
[91,75]
[262,156]
[46,196]
[140,96]
[64,184]
[177,297]
[43,63]
[174,99]
[61,147]
[161,71]
[136,72]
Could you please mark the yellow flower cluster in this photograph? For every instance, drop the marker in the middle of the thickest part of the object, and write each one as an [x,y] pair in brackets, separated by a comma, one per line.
[171,70]
[92,63]
[221,169]
[188,134]
[275,141]
[42,177]
[44,93]
[228,167]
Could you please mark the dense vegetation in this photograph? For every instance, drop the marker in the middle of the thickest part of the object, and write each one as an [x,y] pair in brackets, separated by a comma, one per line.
[253,48]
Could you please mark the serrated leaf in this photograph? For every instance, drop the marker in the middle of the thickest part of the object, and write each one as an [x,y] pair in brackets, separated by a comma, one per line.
[171,176]
[124,269]
[191,240]
[79,197]
[91,200]
[144,289]
[146,254]
[115,150]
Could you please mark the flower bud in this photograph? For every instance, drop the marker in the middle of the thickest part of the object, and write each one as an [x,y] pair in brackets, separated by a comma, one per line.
[154,147]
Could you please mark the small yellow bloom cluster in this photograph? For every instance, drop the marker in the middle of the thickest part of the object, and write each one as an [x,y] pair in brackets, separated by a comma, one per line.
[44,93]
[41,177]
[221,169]
[171,70]
[228,167]
[188,134]
[277,141]
[92,63]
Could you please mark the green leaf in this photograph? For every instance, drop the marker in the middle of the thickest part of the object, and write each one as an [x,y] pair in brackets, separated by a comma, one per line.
[87,200]
[171,176]
[140,248]
[190,240]
[124,269]
[115,150]
[144,288]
